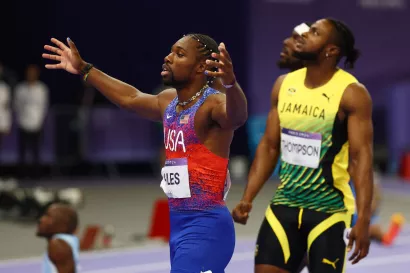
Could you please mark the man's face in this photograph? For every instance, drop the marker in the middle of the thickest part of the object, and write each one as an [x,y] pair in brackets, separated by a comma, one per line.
[313,45]
[46,226]
[183,63]
[287,59]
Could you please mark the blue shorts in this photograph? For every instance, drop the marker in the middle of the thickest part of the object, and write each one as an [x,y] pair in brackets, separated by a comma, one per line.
[373,220]
[201,240]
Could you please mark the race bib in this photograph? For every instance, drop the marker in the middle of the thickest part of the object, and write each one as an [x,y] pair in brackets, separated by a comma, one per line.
[301,148]
[227,185]
[175,178]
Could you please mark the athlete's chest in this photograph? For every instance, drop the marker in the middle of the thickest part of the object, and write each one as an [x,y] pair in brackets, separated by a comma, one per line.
[307,106]
[184,128]
[306,118]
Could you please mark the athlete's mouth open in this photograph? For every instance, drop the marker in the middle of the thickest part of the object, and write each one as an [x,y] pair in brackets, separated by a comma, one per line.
[165,70]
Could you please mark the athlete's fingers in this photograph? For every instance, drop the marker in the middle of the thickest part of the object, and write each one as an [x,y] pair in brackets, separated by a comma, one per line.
[214,74]
[363,253]
[53,49]
[61,45]
[358,258]
[222,49]
[54,66]
[350,244]
[243,220]
[51,57]
[72,45]
[355,252]
[239,216]
[245,209]
[222,58]
[211,64]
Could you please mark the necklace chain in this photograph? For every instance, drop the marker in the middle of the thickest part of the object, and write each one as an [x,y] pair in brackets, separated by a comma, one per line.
[183,103]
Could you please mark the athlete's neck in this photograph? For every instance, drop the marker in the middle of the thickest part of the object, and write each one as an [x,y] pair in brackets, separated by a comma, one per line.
[319,74]
[187,92]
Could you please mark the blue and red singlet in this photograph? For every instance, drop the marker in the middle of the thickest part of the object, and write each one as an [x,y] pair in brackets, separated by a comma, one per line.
[196,182]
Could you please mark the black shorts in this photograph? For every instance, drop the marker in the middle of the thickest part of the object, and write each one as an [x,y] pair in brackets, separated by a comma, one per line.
[286,234]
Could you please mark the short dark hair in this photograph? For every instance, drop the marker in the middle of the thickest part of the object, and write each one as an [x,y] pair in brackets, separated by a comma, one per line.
[345,39]
[206,47]
[72,221]
[69,216]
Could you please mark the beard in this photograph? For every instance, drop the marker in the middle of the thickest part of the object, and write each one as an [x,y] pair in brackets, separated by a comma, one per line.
[291,64]
[307,56]
[170,81]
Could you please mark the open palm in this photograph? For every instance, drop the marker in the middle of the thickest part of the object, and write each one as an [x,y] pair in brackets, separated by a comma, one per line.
[69,57]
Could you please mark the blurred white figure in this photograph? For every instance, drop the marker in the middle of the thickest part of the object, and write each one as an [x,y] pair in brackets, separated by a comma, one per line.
[30,105]
[239,167]
[71,196]
[5,112]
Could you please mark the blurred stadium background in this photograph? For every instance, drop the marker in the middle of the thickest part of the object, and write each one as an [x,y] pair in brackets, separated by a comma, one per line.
[107,161]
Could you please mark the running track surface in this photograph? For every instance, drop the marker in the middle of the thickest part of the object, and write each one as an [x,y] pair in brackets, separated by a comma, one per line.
[395,259]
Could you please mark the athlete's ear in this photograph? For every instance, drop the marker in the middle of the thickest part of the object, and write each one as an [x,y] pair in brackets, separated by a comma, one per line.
[332,50]
[202,66]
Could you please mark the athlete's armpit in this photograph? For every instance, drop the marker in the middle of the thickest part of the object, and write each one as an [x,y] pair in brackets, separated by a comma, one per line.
[357,104]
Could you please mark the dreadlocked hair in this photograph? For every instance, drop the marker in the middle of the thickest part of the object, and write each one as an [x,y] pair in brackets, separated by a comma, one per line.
[346,41]
[206,47]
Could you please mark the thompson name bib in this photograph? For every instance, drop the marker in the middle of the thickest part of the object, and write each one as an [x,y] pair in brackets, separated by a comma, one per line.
[175,178]
[301,148]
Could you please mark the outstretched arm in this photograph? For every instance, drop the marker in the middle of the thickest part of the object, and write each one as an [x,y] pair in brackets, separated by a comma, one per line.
[127,96]
[118,92]
[265,160]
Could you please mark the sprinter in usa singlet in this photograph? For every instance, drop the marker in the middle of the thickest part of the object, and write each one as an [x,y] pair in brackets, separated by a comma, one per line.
[196,182]
[199,125]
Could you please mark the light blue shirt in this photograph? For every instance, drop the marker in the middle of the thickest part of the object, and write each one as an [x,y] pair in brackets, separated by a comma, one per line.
[72,241]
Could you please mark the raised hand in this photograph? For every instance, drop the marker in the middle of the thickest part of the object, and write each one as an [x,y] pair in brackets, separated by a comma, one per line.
[224,65]
[68,56]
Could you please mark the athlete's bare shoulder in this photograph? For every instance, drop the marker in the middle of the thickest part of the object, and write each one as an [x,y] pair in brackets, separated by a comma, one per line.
[216,99]
[276,87]
[167,94]
[356,96]
[165,97]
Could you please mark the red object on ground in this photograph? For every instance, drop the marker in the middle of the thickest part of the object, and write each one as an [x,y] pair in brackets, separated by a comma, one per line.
[89,237]
[160,223]
[405,167]
[396,224]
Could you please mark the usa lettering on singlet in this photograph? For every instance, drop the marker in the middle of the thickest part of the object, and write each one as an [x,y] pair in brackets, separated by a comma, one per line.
[175,175]
[301,148]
